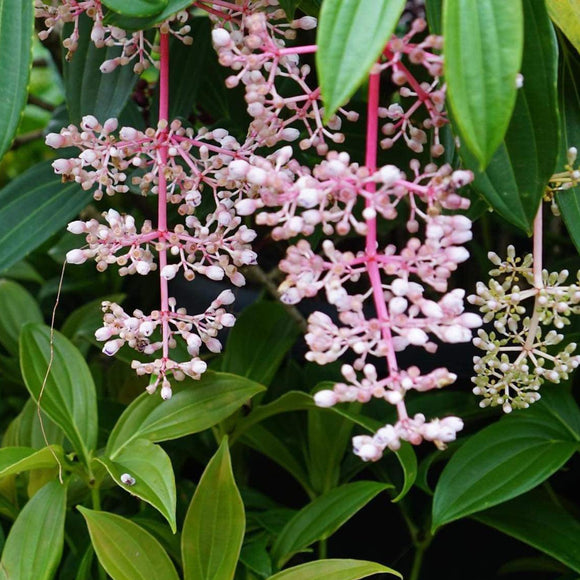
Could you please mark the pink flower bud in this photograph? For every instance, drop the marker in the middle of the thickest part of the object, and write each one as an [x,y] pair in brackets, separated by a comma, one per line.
[325,398]
[103,333]
[54,140]
[214,273]
[226,297]
[113,346]
[220,37]
[76,257]
[77,227]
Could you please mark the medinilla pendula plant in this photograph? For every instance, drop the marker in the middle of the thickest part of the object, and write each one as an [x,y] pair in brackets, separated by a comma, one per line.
[278,275]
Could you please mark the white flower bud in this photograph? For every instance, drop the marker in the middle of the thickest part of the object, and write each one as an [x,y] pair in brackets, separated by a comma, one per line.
[325,398]
[76,257]
[113,346]
[168,272]
[77,227]
[214,273]
[103,333]
[220,37]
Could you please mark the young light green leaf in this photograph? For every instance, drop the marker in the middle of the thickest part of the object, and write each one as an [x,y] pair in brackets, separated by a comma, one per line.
[322,517]
[566,15]
[569,100]
[151,475]
[335,569]
[16,34]
[259,341]
[18,459]
[194,407]
[483,52]
[351,36]
[33,207]
[34,545]
[503,461]
[515,180]
[125,550]
[136,8]
[88,90]
[18,308]
[68,396]
[214,526]
[538,520]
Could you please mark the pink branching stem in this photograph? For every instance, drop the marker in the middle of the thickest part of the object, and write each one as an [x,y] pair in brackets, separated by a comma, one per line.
[162,196]
[307,49]
[372,265]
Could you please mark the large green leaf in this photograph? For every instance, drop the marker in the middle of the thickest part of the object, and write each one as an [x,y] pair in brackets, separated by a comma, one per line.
[34,545]
[18,308]
[322,517]
[566,14]
[214,526]
[351,36]
[569,100]
[335,569]
[33,207]
[259,341]
[68,396]
[507,459]
[194,406]
[537,519]
[18,459]
[88,90]
[152,475]
[136,8]
[125,550]
[16,33]
[483,52]
[515,180]
[132,23]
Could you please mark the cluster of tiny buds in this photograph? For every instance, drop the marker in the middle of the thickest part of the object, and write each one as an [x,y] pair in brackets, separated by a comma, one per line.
[134,47]
[519,352]
[564,180]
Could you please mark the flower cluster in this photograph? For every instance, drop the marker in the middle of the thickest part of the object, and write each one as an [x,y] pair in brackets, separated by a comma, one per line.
[135,47]
[520,354]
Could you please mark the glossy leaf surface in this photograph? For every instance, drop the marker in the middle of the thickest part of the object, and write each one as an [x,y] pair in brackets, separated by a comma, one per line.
[335,569]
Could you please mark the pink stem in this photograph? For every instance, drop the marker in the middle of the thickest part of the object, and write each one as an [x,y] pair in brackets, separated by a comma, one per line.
[162,195]
[537,250]
[372,265]
[308,49]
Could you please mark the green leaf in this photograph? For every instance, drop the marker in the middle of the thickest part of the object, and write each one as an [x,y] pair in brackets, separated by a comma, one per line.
[254,554]
[84,571]
[538,520]
[151,469]
[194,407]
[16,34]
[259,341]
[503,461]
[322,517]
[434,13]
[518,173]
[351,36]
[214,526]
[566,15]
[132,23]
[136,8]
[125,550]
[68,396]
[34,545]
[88,91]
[335,569]
[33,207]
[18,308]
[408,460]
[23,272]
[289,7]
[569,100]
[483,51]
[18,459]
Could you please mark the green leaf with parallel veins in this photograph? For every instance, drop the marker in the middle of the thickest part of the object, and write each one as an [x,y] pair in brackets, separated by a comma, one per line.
[483,52]
[131,23]
[506,459]
[18,459]
[335,569]
[16,34]
[214,526]
[152,472]
[351,36]
[569,100]
[88,90]
[538,520]
[125,550]
[18,308]
[515,180]
[68,396]
[566,15]
[194,407]
[322,517]
[33,207]
[136,8]
[34,545]
[259,341]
